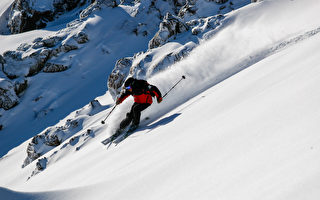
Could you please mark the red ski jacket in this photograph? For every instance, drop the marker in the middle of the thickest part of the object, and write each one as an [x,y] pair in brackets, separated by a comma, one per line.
[142,92]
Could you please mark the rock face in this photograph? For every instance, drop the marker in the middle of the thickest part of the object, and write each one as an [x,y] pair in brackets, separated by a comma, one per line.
[29,15]
[16,65]
[170,26]
[50,138]
[30,59]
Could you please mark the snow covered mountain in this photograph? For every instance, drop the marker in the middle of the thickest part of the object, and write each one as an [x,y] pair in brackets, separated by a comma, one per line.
[242,125]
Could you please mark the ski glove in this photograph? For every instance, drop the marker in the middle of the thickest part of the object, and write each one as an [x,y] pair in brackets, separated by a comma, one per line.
[159,100]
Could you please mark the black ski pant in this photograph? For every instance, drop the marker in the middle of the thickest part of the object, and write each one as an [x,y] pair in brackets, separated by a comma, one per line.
[134,115]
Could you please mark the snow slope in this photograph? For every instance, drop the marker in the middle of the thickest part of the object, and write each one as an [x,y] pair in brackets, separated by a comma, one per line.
[5,6]
[218,135]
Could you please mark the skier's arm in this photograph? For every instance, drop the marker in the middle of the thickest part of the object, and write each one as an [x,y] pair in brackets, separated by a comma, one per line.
[122,97]
[155,92]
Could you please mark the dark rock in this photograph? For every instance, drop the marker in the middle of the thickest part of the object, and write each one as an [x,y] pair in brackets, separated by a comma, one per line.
[51,41]
[42,164]
[8,97]
[48,139]
[20,86]
[53,67]
[221,1]
[26,16]
[81,37]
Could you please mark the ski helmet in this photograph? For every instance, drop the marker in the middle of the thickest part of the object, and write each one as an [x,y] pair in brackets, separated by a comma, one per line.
[128,82]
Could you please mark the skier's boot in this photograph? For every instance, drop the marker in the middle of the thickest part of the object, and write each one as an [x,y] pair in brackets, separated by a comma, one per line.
[133,127]
[117,133]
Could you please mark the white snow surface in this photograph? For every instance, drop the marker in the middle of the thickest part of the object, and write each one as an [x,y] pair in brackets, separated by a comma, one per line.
[243,125]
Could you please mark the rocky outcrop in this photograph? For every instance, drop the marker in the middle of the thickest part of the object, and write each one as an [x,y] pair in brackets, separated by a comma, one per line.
[204,25]
[53,67]
[50,138]
[40,166]
[119,75]
[8,96]
[169,27]
[29,15]
[97,5]
[17,65]
[20,85]
[188,8]
[92,108]
[30,59]
[170,59]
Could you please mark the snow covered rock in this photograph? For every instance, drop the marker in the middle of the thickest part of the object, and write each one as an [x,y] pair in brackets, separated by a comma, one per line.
[119,75]
[8,96]
[30,59]
[170,26]
[97,5]
[17,65]
[188,9]
[81,37]
[91,109]
[40,166]
[204,25]
[28,15]
[54,67]
[42,163]
[50,138]
[20,85]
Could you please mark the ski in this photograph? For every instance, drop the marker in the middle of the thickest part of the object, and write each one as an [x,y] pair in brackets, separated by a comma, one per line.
[123,137]
[118,137]
[113,137]
[106,141]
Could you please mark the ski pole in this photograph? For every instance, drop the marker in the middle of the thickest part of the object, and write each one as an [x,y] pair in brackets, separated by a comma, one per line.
[103,121]
[183,77]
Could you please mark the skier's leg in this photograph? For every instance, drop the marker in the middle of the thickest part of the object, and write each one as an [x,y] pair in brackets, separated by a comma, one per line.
[125,122]
[137,112]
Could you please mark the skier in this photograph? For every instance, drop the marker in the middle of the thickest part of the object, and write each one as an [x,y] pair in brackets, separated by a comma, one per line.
[142,93]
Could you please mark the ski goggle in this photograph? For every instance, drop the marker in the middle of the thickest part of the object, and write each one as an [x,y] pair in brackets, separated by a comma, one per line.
[128,88]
